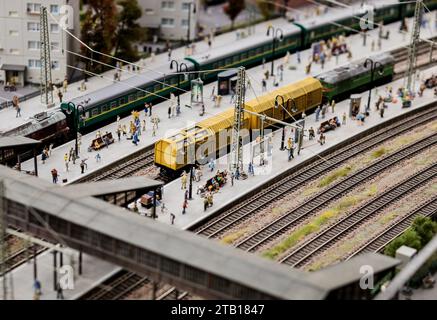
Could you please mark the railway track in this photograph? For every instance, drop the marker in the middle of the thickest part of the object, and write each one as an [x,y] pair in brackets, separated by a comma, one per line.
[124,167]
[144,158]
[425,58]
[401,54]
[173,294]
[125,282]
[311,206]
[308,171]
[117,287]
[21,254]
[329,236]
[378,243]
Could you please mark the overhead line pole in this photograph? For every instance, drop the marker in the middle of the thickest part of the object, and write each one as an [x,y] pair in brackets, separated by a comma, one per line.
[237,143]
[46,64]
[415,37]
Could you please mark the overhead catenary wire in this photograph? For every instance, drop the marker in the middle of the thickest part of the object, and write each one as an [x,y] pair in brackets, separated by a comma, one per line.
[335,23]
[127,71]
[140,67]
[375,23]
[173,73]
[121,82]
[135,74]
[95,51]
[122,60]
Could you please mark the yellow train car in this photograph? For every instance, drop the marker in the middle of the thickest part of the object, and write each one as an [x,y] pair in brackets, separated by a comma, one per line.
[170,152]
[306,94]
[212,135]
[220,128]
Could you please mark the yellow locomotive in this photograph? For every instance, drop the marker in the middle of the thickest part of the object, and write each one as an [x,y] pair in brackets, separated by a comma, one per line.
[213,135]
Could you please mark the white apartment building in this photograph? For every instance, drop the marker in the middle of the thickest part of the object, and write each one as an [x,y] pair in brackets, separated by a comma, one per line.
[20,60]
[169,19]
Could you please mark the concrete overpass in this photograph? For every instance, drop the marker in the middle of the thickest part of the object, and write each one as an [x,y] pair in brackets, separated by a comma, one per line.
[162,252]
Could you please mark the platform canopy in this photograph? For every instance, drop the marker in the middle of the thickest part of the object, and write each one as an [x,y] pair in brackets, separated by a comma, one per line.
[106,187]
[17,142]
[12,67]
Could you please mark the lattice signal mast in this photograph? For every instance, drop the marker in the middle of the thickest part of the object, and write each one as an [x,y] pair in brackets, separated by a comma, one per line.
[237,142]
[46,63]
[412,59]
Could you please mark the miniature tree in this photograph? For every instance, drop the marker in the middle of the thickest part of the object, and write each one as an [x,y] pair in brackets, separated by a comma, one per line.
[129,31]
[233,8]
[266,8]
[98,28]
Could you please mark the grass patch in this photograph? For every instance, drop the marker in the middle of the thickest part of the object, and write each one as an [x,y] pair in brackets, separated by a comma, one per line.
[230,238]
[315,224]
[389,217]
[335,175]
[378,153]
[277,211]
[290,241]
[309,191]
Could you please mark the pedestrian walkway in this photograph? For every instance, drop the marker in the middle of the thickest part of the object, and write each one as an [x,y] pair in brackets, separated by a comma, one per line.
[166,127]
[94,272]
[278,162]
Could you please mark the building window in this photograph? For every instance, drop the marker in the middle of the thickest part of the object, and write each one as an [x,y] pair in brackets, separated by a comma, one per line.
[184,23]
[34,64]
[14,51]
[33,45]
[54,28]
[167,22]
[149,12]
[13,33]
[167,5]
[13,13]
[55,65]
[186,6]
[33,26]
[33,8]
[54,9]
[54,46]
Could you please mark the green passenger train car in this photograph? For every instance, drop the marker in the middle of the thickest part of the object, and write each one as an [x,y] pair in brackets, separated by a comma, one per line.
[250,51]
[354,77]
[157,83]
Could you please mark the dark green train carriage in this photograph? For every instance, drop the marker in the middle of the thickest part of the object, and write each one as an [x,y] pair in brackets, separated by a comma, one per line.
[354,77]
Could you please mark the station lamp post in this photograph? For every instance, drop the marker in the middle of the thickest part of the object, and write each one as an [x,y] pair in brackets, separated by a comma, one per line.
[190,192]
[283,104]
[283,128]
[277,35]
[186,152]
[77,111]
[179,70]
[374,66]
[189,4]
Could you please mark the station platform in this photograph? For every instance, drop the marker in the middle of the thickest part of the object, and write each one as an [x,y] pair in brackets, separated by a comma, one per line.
[188,116]
[94,272]
[33,106]
[173,195]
